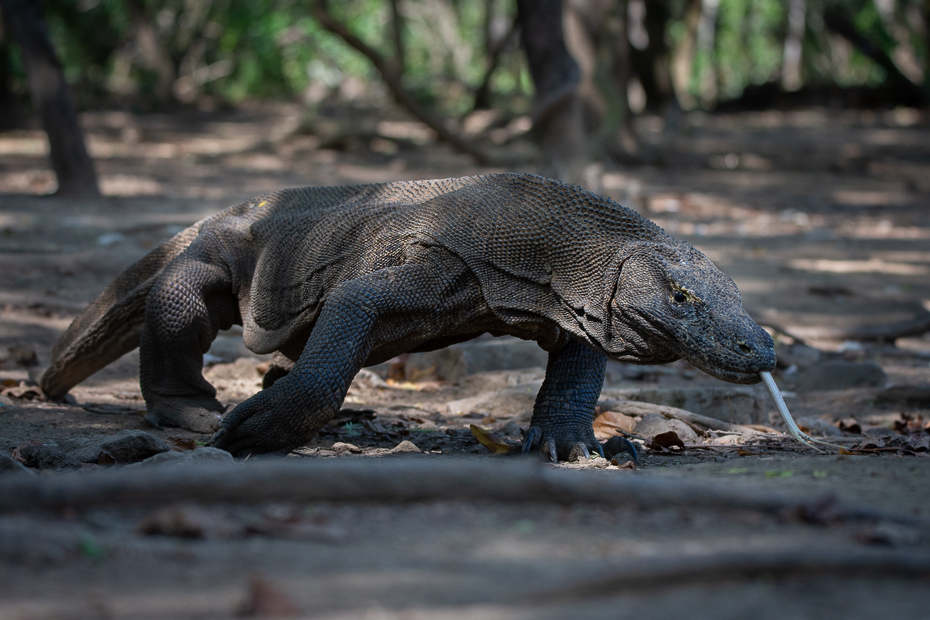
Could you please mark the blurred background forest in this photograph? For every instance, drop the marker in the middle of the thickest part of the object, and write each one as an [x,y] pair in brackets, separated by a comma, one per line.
[460,66]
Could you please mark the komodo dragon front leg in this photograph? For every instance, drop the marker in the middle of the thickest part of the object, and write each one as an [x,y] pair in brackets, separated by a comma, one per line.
[411,303]
[564,411]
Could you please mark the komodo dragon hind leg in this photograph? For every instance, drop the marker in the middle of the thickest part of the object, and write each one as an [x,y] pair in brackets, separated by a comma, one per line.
[561,425]
[191,301]
[396,304]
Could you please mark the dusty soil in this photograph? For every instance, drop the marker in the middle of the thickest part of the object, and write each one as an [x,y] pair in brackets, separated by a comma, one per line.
[819,216]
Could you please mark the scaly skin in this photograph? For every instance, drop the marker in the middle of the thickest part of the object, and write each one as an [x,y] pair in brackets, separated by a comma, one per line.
[333,279]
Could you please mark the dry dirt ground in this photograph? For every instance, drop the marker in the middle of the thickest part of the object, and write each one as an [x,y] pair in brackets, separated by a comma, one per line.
[820,216]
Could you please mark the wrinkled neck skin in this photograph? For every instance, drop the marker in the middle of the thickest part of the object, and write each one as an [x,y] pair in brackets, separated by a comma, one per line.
[672,302]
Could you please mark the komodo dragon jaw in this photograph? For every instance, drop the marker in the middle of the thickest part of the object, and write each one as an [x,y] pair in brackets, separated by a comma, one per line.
[678,304]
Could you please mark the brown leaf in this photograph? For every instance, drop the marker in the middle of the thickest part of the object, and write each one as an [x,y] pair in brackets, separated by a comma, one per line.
[607,423]
[667,442]
[849,425]
[489,440]
[745,452]
[28,392]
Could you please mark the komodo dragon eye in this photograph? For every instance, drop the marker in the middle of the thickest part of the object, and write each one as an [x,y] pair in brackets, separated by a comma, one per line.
[679,297]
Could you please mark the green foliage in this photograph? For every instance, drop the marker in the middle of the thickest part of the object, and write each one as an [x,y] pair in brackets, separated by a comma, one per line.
[232,50]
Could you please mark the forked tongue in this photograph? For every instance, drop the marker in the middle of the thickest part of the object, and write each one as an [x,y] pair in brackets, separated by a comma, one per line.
[783,410]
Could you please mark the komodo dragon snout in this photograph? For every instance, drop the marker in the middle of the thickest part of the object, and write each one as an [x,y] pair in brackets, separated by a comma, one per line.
[672,298]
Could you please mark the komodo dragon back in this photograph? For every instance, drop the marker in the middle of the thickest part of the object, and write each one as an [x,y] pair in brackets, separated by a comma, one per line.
[110,327]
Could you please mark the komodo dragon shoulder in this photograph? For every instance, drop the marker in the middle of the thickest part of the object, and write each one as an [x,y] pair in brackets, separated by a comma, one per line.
[335,278]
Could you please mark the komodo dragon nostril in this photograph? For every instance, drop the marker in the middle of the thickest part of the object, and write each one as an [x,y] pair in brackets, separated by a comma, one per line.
[744,348]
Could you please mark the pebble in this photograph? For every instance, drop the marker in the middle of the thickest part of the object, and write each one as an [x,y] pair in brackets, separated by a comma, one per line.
[405,446]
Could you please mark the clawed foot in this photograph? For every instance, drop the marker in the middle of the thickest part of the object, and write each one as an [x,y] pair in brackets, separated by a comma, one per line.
[567,445]
[200,415]
[264,423]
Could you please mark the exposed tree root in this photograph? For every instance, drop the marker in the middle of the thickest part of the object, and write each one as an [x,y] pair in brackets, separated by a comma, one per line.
[679,570]
[402,480]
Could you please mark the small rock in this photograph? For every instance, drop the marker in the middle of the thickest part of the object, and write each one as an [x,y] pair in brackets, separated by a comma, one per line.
[405,446]
[125,446]
[340,448]
[47,457]
[200,455]
[841,375]
[654,424]
[9,465]
[132,445]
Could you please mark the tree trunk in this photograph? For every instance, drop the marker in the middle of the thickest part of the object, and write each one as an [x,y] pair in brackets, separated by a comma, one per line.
[791,63]
[904,90]
[52,99]
[153,52]
[557,109]
[683,57]
[397,32]
[652,63]
[706,34]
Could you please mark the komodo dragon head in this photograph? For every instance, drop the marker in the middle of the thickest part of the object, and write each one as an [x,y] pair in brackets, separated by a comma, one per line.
[671,301]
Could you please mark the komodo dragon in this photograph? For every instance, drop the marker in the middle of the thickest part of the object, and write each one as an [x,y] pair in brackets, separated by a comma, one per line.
[332,279]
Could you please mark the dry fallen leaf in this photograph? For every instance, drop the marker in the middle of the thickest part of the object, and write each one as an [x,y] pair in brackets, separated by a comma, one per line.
[607,423]
[489,440]
[849,425]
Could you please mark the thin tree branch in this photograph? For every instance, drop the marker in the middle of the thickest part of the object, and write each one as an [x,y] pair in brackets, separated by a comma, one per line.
[392,79]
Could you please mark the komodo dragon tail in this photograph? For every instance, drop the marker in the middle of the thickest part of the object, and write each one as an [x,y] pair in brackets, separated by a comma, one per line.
[111,325]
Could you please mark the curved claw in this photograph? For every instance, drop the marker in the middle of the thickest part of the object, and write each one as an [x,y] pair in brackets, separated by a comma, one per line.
[216,438]
[529,440]
[618,444]
[553,454]
[600,450]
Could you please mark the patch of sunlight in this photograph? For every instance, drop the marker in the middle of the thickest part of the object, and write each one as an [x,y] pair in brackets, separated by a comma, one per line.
[858,266]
